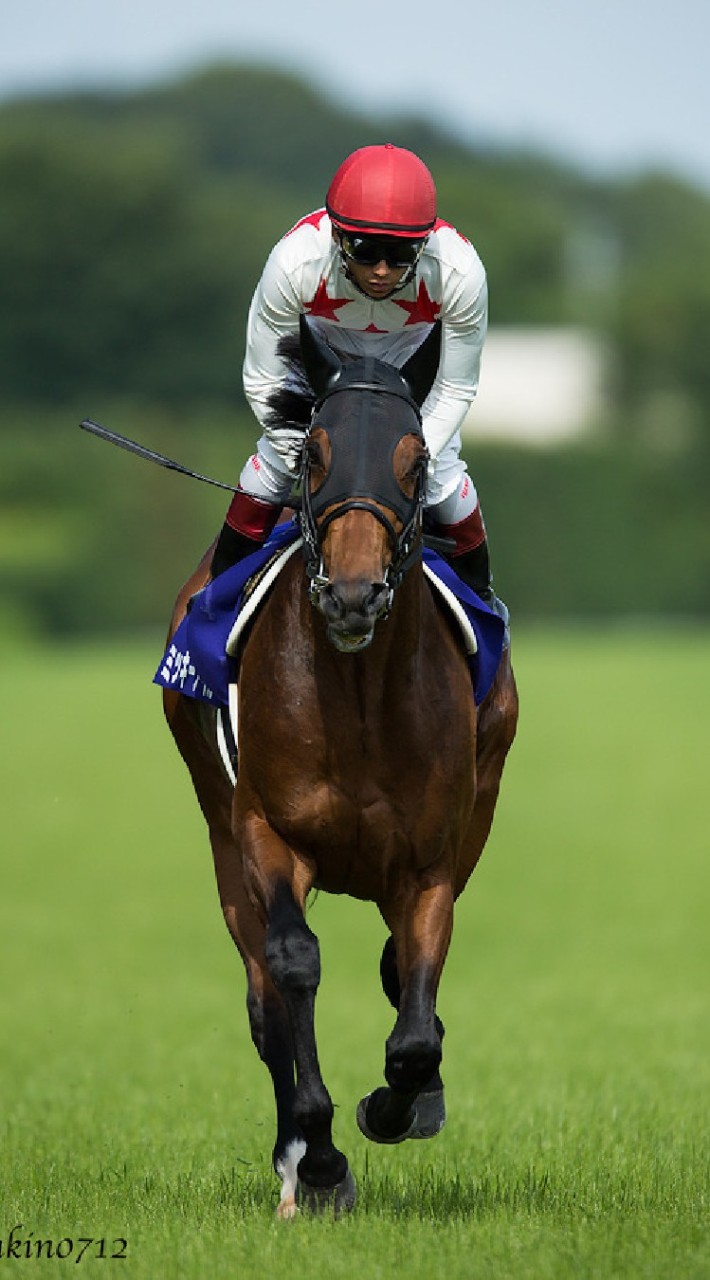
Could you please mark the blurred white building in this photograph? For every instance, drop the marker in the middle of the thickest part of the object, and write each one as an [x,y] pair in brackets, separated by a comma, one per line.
[539,386]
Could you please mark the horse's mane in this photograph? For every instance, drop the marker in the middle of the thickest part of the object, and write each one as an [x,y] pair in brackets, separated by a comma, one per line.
[291,404]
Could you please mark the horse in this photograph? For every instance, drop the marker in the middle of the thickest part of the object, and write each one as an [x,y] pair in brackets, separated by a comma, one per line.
[364,765]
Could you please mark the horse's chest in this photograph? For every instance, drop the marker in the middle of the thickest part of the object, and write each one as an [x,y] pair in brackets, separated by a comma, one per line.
[362,840]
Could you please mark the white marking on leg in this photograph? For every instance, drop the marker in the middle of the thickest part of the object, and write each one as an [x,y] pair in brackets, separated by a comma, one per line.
[287,1169]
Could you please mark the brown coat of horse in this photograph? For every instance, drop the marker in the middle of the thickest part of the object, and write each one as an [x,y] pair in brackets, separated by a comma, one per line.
[367,771]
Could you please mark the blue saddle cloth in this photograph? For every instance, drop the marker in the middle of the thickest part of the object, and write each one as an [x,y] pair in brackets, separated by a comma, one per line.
[196,661]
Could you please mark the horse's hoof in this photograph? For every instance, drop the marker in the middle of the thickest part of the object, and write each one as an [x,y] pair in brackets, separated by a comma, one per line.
[430,1115]
[286,1208]
[365,1122]
[336,1200]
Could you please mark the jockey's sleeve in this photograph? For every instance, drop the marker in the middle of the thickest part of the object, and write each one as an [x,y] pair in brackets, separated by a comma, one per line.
[464,316]
[273,313]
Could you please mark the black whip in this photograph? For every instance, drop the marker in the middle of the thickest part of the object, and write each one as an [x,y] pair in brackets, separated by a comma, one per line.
[444,545]
[150,455]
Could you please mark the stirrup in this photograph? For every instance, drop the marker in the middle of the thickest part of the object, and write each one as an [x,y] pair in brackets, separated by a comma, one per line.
[497,606]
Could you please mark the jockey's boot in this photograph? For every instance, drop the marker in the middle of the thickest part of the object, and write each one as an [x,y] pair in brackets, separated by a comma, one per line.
[471,561]
[247,525]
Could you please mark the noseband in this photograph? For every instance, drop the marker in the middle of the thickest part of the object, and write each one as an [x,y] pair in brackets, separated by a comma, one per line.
[363,441]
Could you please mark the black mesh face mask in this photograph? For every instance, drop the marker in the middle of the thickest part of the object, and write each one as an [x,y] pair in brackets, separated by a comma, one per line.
[364,429]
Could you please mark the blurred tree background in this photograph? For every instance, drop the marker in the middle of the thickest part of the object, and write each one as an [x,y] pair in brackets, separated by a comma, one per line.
[133,229]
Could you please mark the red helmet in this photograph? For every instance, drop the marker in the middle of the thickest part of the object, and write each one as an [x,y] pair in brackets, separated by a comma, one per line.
[383,191]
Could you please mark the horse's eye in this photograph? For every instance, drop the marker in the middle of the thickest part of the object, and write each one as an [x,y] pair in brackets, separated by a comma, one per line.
[314,453]
[416,468]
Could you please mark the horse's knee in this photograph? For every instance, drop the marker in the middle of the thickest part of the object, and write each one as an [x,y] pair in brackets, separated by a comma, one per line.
[293,957]
[291,949]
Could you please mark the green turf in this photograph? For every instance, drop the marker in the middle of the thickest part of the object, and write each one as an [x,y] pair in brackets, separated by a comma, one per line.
[576,997]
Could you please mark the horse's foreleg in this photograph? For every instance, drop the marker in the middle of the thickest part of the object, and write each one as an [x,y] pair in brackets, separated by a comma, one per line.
[269,1021]
[271,1033]
[270,1026]
[293,958]
[268,1017]
[421,931]
[429,1103]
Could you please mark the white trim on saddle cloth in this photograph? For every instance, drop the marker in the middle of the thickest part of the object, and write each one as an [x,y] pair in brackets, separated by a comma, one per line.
[226,731]
[468,634]
[257,595]
[252,604]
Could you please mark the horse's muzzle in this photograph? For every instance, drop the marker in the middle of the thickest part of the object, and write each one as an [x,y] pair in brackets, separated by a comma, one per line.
[351,610]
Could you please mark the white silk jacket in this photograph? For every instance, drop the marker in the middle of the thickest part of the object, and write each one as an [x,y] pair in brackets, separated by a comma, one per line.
[304,273]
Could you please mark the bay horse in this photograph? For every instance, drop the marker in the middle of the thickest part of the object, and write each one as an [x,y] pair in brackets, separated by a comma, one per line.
[364,766]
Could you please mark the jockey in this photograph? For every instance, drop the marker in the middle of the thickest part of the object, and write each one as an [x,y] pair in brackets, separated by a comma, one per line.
[373,271]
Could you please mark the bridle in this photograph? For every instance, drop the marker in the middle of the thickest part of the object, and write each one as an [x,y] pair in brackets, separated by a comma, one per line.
[375,484]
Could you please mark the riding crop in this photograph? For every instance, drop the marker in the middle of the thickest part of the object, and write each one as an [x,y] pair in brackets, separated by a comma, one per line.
[150,455]
[437,544]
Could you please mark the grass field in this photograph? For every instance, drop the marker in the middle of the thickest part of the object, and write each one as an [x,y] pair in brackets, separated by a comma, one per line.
[576,998]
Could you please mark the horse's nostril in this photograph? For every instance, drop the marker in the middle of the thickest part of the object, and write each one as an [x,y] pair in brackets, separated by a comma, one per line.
[331,603]
[377,597]
[353,601]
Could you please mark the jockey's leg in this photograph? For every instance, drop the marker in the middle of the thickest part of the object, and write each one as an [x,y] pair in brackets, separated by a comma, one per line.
[454,512]
[247,525]
[264,486]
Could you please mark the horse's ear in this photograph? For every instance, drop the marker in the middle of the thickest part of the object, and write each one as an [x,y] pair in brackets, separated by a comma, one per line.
[421,369]
[321,364]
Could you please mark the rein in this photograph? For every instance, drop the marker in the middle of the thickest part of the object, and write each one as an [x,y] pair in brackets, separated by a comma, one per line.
[406,546]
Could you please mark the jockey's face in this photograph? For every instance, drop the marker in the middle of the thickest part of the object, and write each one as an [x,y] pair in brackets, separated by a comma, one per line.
[374,275]
[378,279]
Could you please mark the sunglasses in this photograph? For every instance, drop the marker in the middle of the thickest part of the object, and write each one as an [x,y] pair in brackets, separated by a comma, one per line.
[367,251]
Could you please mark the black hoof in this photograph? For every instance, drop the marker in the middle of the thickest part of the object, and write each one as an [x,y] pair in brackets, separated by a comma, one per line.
[424,1120]
[368,1125]
[430,1114]
[336,1200]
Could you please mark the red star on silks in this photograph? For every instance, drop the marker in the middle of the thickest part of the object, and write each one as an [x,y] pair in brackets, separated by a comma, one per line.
[423,310]
[372,328]
[324,306]
[311,220]
[450,227]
